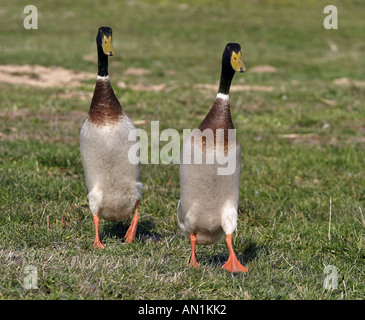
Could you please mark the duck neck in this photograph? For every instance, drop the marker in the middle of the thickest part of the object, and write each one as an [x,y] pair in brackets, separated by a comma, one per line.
[102,63]
[226,79]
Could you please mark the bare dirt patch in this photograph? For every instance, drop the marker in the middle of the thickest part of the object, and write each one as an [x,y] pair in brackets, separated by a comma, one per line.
[311,139]
[234,88]
[49,77]
[82,95]
[91,57]
[348,82]
[137,71]
[142,86]
[12,114]
[357,139]
[42,77]
[262,69]
[147,87]
[53,126]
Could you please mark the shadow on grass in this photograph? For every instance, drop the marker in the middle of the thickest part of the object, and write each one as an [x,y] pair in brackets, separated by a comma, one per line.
[119,230]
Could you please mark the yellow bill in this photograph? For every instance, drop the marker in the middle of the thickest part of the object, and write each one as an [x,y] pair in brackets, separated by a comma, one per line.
[107,46]
[237,63]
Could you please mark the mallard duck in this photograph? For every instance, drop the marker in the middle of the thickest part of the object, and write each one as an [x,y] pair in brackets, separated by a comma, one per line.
[208,200]
[114,189]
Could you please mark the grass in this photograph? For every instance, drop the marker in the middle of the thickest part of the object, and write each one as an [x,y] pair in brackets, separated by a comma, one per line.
[286,183]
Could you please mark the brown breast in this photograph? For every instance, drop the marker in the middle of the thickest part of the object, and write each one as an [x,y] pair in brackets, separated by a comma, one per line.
[105,108]
[219,117]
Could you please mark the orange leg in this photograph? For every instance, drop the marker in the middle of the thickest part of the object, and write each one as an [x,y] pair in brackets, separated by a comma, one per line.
[97,243]
[131,233]
[193,262]
[232,264]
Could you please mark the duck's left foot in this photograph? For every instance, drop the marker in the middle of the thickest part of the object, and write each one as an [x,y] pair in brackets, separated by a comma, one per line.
[97,242]
[193,263]
[232,264]
[131,233]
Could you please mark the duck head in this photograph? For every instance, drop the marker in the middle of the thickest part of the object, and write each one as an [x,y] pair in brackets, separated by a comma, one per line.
[105,49]
[232,55]
[231,62]
[104,40]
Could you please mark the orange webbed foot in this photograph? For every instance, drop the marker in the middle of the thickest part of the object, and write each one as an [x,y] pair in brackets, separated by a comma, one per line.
[97,243]
[232,264]
[193,263]
[131,233]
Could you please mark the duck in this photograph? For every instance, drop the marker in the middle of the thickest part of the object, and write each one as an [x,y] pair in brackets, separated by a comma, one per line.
[209,199]
[112,181]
